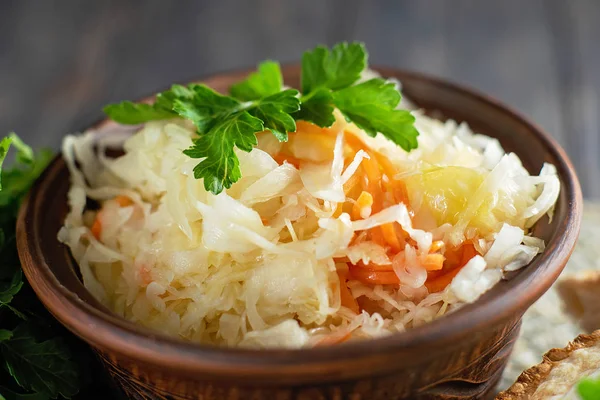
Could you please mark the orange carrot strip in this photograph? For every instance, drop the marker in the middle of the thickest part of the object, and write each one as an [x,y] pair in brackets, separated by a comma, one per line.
[361,237]
[431,275]
[370,165]
[398,188]
[342,260]
[372,277]
[372,267]
[97,227]
[377,236]
[372,170]
[334,338]
[145,275]
[436,246]
[390,236]
[280,158]
[377,200]
[351,183]
[453,257]
[401,193]
[346,296]
[307,127]
[354,142]
[357,144]
[123,201]
[386,164]
[375,156]
[364,200]
[468,253]
[433,262]
[338,210]
[438,284]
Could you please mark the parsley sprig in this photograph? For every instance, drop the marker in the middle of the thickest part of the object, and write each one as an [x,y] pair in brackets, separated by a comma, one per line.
[328,80]
[35,361]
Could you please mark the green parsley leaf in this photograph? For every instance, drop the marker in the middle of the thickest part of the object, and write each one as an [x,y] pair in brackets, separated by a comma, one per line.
[371,105]
[5,335]
[221,167]
[18,179]
[259,103]
[317,108]
[164,100]
[24,153]
[205,107]
[589,389]
[335,69]
[275,112]
[224,123]
[265,82]
[129,113]
[11,276]
[9,289]
[8,255]
[4,146]
[6,394]
[326,82]
[45,367]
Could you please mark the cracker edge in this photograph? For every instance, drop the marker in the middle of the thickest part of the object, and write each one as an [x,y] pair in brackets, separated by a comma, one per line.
[532,378]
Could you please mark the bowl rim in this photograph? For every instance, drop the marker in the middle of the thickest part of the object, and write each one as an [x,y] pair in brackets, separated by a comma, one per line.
[137,343]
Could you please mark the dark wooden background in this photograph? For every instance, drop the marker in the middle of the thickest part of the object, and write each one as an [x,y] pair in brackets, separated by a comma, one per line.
[60,61]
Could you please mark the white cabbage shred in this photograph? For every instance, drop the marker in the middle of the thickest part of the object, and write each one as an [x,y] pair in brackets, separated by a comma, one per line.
[258,265]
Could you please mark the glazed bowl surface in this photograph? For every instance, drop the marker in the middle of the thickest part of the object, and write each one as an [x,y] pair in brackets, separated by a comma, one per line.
[458,356]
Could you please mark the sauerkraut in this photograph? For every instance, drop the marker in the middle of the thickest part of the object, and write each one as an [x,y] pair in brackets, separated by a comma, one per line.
[331,236]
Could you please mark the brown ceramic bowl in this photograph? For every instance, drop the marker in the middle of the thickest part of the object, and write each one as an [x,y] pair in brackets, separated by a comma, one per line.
[459,356]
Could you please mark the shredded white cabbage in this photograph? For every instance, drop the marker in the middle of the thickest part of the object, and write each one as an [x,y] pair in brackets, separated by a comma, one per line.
[267,262]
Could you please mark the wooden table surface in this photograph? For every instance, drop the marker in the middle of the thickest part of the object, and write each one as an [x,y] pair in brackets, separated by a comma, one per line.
[60,61]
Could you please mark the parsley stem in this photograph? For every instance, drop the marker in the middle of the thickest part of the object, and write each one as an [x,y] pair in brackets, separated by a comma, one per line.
[245,106]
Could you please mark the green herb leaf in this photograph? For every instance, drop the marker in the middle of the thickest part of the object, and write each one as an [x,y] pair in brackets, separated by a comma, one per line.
[24,152]
[275,112]
[264,82]
[11,279]
[224,123]
[371,105]
[164,100]
[9,289]
[589,389]
[221,167]
[258,103]
[335,69]
[317,108]
[205,108]
[45,367]
[5,335]
[129,113]
[4,146]
[6,394]
[19,179]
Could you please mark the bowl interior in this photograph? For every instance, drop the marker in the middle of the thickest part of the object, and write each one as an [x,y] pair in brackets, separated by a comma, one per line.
[52,272]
